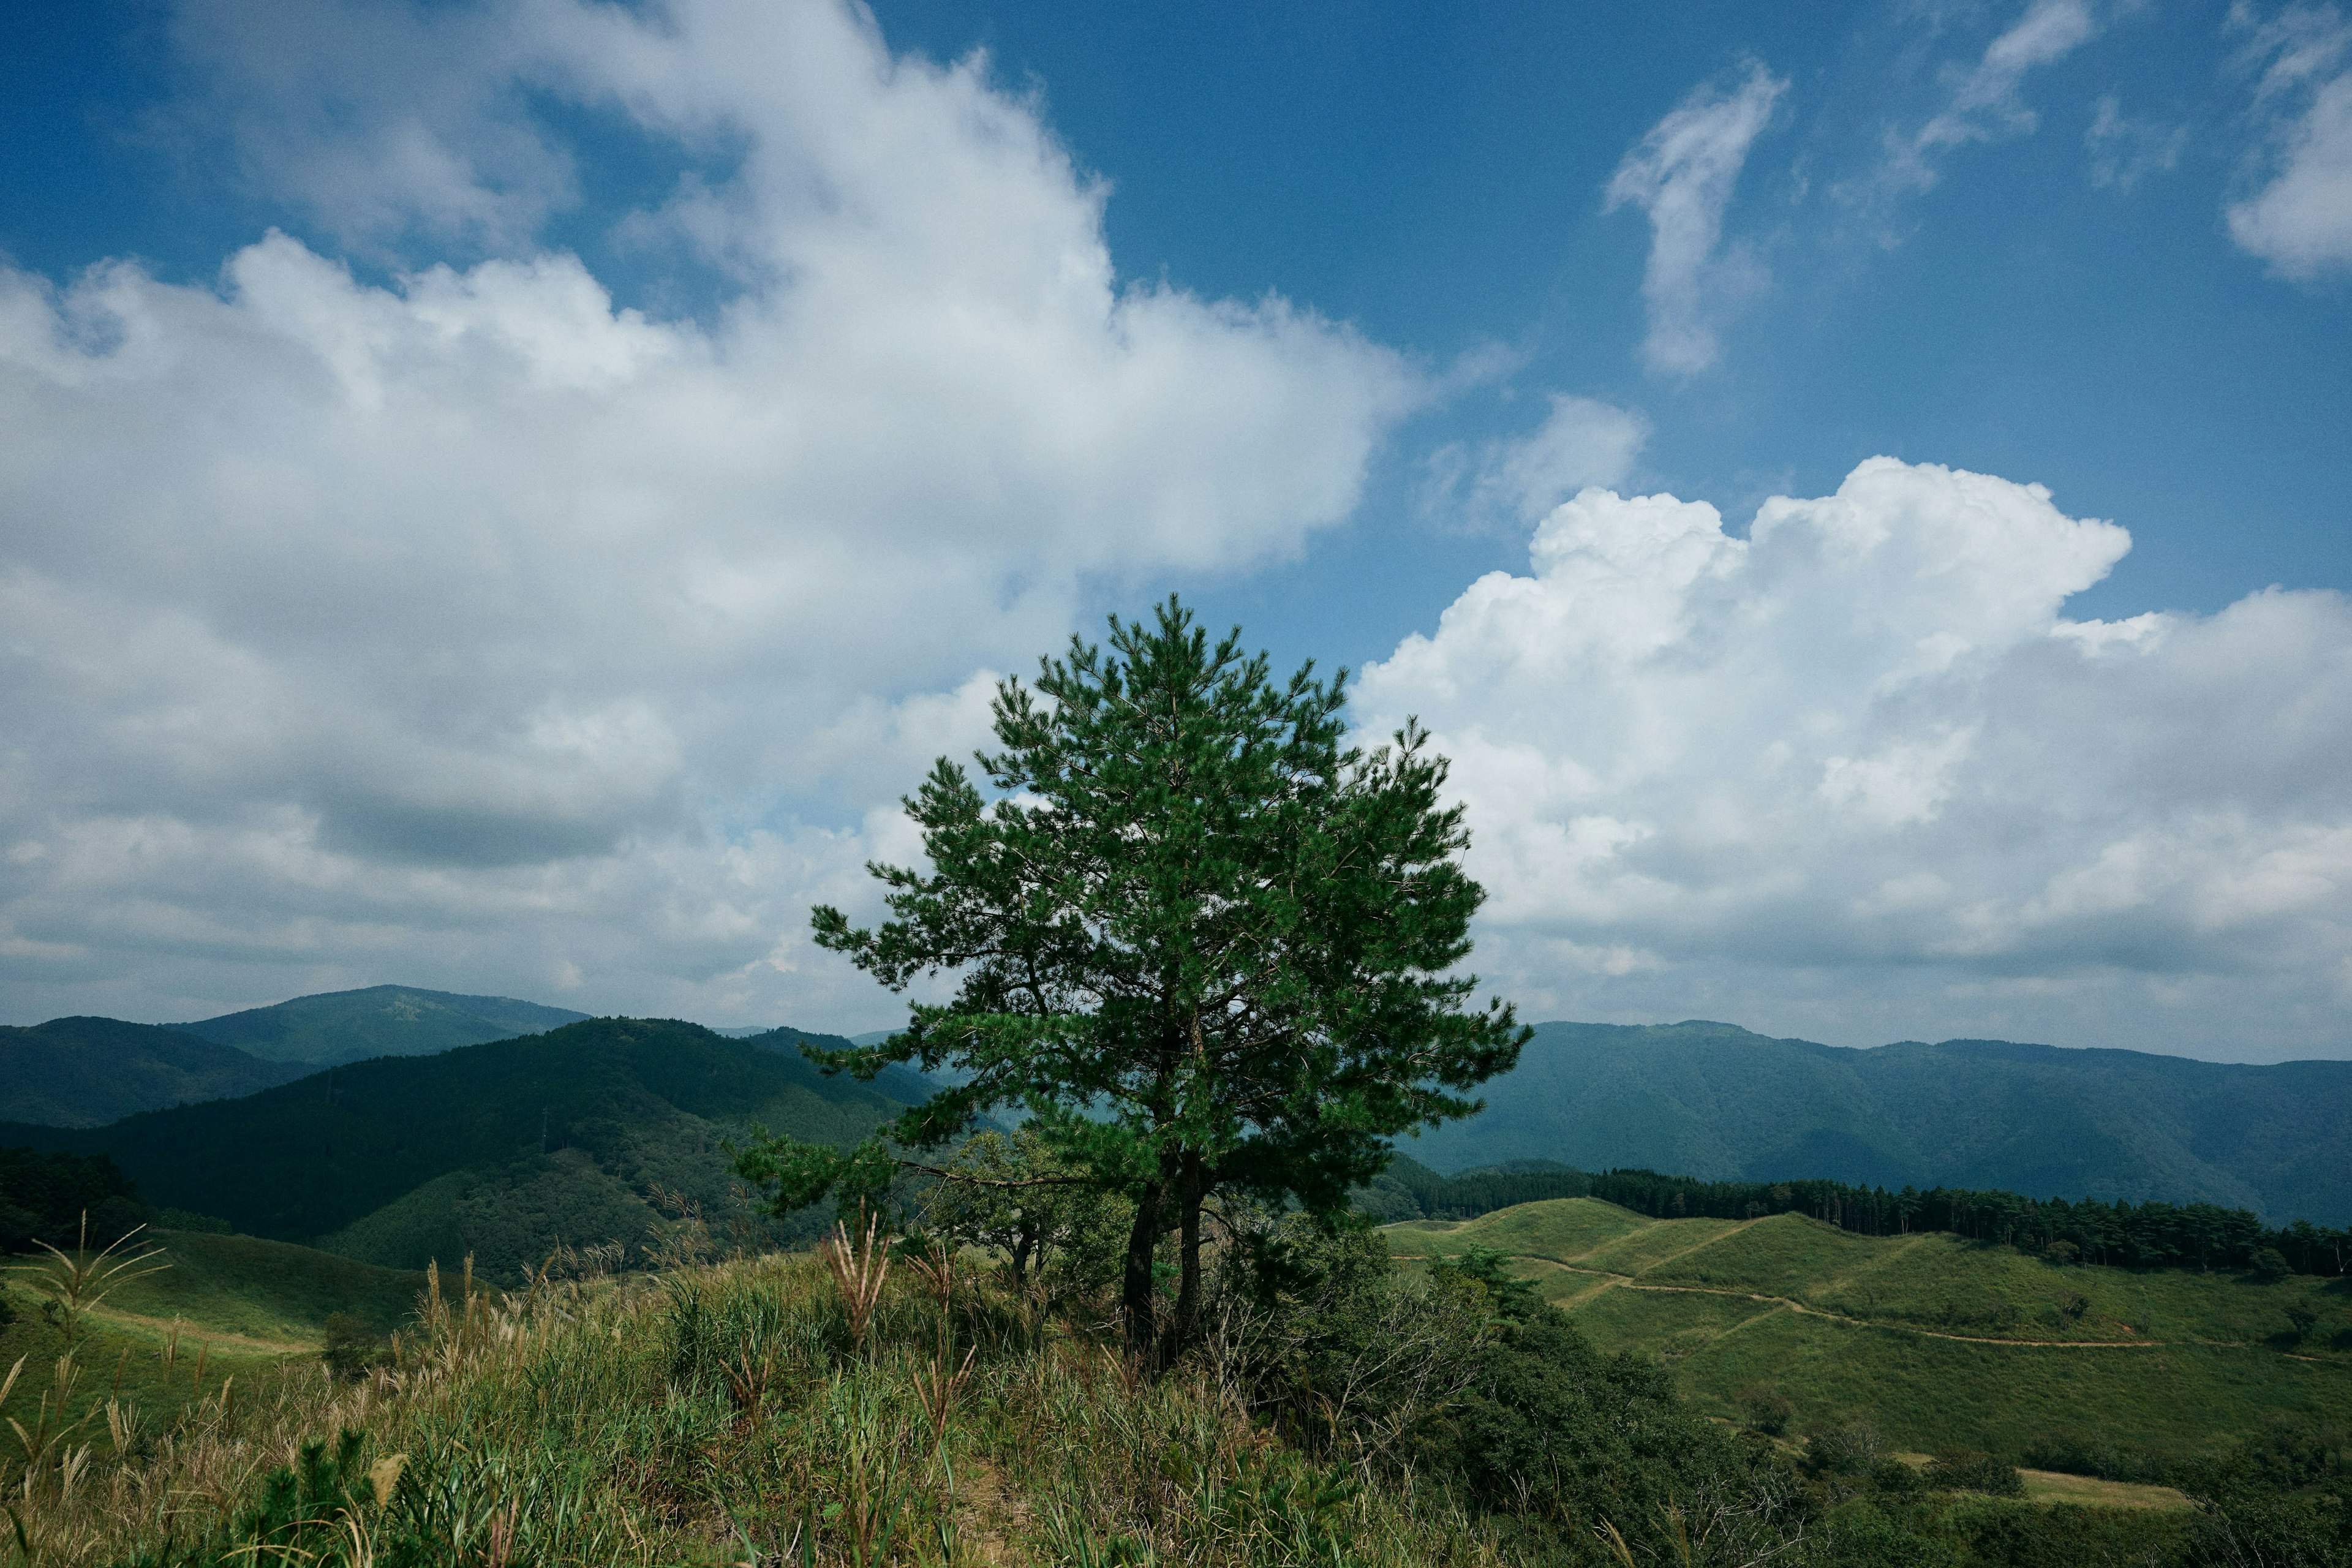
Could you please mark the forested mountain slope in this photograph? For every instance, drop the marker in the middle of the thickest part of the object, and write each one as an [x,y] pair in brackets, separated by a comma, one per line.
[501,1149]
[337,1026]
[85,1072]
[1719,1102]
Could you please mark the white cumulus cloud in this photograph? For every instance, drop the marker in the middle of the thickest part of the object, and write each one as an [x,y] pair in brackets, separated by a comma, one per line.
[464,627]
[1857,773]
[1682,175]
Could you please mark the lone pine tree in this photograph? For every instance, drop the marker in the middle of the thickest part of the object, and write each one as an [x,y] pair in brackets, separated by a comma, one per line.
[1205,945]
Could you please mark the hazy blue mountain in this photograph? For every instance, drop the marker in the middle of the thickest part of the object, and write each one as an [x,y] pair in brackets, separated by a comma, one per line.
[501,1149]
[381,1021]
[1719,1102]
[83,1072]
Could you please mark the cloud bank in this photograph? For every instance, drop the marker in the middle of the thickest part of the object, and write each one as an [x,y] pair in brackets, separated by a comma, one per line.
[467,629]
[1858,774]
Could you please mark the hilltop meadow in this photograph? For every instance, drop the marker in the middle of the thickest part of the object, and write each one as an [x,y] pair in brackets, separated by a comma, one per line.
[1564,1381]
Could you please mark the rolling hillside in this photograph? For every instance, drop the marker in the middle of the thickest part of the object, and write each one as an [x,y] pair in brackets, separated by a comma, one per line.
[227,1307]
[85,1072]
[1939,1344]
[1717,1102]
[339,1027]
[500,1150]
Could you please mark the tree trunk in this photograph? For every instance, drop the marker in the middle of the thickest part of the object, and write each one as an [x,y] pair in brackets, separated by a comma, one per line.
[1135,1292]
[1188,1288]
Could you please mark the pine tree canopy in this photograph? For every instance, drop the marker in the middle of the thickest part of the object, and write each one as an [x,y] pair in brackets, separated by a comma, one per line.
[1202,942]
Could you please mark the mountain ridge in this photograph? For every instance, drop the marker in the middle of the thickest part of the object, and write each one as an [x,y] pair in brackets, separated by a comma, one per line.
[85,1071]
[1717,1101]
[329,1028]
[583,1134]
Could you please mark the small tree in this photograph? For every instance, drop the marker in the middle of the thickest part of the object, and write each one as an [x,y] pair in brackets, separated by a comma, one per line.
[990,1197]
[1206,945]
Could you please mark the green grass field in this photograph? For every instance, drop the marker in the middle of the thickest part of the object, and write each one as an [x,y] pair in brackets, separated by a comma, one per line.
[1940,1343]
[238,1305]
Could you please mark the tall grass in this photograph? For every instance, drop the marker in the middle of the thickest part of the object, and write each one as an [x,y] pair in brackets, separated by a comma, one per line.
[734,1413]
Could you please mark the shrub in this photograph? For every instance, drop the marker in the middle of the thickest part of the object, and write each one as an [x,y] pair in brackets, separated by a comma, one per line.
[352,1346]
[1967,1472]
[2271,1265]
[2095,1457]
[1762,1410]
[1850,1449]
[1897,1479]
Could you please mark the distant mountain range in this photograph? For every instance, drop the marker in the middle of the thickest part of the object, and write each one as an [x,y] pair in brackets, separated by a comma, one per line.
[1719,1102]
[84,1072]
[1702,1099]
[337,1026]
[498,1150]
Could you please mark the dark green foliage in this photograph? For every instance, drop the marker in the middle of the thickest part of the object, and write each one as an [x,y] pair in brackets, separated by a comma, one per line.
[86,1072]
[1975,1473]
[1725,1104]
[1068,1237]
[339,1027]
[297,1516]
[2103,1460]
[2141,1235]
[2138,1235]
[352,1345]
[621,1106]
[1852,1448]
[1566,1442]
[2284,1496]
[1765,1411]
[44,1195]
[1203,944]
[1407,1189]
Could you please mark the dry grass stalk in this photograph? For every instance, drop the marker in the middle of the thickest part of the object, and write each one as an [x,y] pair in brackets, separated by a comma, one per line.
[859,1271]
[77,1281]
[940,1390]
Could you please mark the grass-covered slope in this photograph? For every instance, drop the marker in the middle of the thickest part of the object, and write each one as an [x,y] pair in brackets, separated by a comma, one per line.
[1940,1343]
[337,1026]
[1717,1102]
[86,1072]
[227,1307]
[502,1150]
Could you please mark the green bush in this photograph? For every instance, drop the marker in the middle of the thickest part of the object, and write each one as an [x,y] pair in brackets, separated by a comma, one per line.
[1975,1473]
[1850,1449]
[352,1346]
[1764,1410]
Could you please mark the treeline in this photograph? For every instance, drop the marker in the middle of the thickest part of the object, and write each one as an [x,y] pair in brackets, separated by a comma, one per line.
[2134,1235]
[43,1197]
[1407,1189]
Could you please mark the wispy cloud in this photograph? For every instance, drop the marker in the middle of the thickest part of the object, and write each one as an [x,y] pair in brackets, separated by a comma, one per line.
[1581,442]
[2300,220]
[2124,150]
[1987,103]
[1682,175]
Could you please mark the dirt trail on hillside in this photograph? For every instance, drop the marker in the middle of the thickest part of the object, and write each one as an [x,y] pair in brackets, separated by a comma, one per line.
[192,1334]
[1627,1282]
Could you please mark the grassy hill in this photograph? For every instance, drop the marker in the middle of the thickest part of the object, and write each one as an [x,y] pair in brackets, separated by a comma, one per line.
[338,1027]
[1940,1343]
[1717,1102]
[228,1306]
[501,1149]
[85,1072]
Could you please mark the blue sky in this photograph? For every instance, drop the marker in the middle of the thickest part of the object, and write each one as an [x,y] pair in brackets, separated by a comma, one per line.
[977,320]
